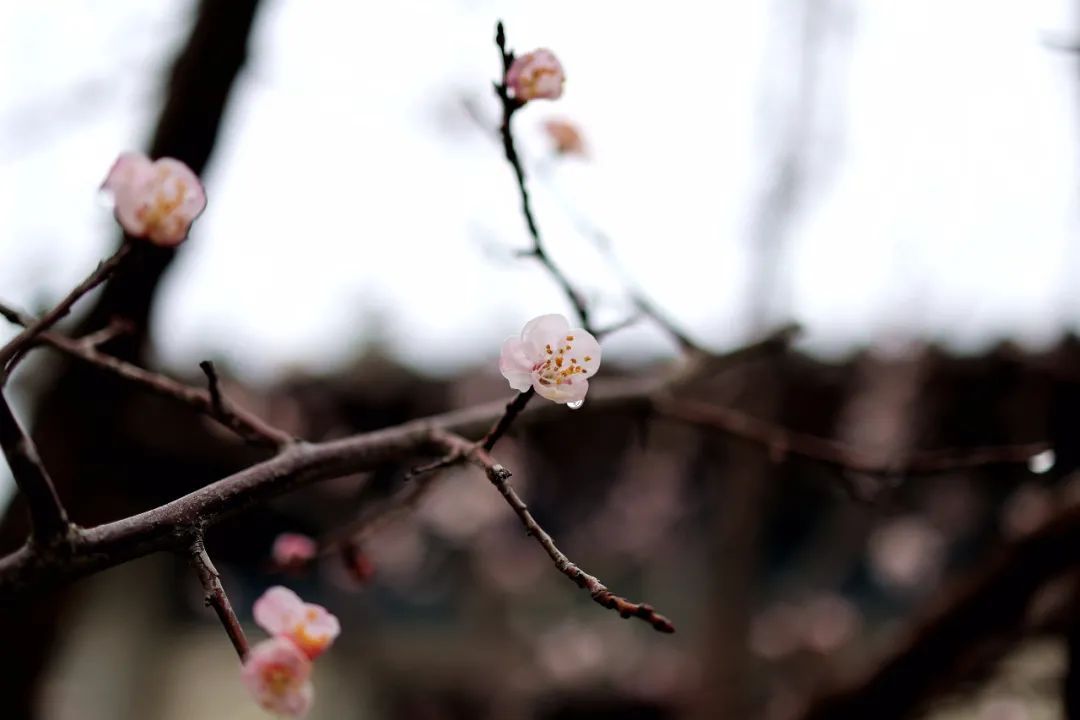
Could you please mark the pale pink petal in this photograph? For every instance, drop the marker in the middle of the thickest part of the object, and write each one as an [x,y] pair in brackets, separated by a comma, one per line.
[127,183]
[277,675]
[293,550]
[130,169]
[316,631]
[515,365]
[155,200]
[536,75]
[584,351]
[570,390]
[178,198]
[545,331]
[278,610]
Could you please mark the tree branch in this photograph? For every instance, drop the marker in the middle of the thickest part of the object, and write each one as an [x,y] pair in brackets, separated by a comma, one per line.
[780,441]
[509,107]
[987,608]
[50,521]
[499,476]
[214,594]
[17,345]
[245,424]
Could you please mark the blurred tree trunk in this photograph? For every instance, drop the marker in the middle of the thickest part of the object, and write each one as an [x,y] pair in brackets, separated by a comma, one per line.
[83,420]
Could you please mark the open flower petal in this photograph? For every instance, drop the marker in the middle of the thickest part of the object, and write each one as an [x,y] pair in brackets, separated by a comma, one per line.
[316,630]
[571,391]
[277,674]
[515,365]
[278,610]
[310,627]
[555,359]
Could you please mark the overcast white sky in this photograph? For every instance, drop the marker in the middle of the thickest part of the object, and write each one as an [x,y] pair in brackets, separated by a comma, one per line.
[353,197]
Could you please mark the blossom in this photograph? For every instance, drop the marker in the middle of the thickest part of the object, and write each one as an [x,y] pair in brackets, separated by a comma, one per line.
[277,674]
[310,627]
[157,200]
[566,137]
[551,357]
[536,75]
[293,551]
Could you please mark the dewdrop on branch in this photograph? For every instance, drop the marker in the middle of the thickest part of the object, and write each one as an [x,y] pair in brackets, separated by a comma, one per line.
[155,200]
[536,76]
[551,357]
[277,674]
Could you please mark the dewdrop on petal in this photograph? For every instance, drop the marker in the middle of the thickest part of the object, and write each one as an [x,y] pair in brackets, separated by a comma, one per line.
[536,76]
[155,200]
[278,676]
[551,357]
[310,627]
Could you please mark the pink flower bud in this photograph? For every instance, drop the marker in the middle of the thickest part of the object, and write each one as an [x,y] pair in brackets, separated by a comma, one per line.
[551,357]
[310,627]
[157,200]
[536,75]
[292,551]
[277,674]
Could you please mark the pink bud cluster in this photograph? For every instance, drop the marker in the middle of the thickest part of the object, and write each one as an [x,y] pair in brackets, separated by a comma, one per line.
[277,672]
[155,200]
[536,76]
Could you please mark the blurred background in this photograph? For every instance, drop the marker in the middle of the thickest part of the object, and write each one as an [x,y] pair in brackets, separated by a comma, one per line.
[898,178]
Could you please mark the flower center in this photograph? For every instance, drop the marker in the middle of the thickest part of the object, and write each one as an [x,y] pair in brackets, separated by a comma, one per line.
[278,679]
[163,206]
[308,641]
[560,364]
[532,81]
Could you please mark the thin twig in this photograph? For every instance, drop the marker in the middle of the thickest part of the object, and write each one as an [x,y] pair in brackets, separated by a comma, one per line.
[116,328]
[50,520]
[628,321]
[300,464]
[499,476]
[217,403]
[510,106]
[25,338]
[214,594]
[378,517]
[502,425]
[244,423]
[641,301]
[780,441]
[500,428]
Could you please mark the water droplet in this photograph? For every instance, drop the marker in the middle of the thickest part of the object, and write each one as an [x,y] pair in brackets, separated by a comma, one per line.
[575,405]
[1042,462]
